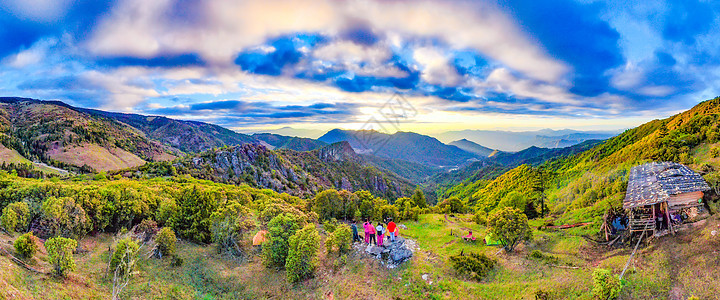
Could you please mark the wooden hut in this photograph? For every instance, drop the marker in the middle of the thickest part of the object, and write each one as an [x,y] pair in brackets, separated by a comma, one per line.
[659,193]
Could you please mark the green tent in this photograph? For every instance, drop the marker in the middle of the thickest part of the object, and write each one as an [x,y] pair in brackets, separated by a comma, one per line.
[490,241]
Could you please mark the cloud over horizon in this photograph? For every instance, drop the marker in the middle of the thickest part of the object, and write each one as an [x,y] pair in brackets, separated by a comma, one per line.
[250,63]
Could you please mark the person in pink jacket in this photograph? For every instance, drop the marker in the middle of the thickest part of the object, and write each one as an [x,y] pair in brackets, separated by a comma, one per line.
[366,226]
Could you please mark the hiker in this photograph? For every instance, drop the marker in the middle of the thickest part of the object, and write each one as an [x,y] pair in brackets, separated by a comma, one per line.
[469,237]
[380,230]
[367,231]
[372,232]
[391,230]
[356,237]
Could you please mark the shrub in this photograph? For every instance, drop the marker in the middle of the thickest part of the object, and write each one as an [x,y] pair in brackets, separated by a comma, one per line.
[192,221]
[302,255]
[451,205]
[66,218]
[165,241]
[605,285]
[15,217]
[146,229]
[60,255]
[125,250]
[275,247]
[167,210]
[26,245]
[229,226]
[480,217]
[9,219]
[542,257]
[477,266]
[510,226]
[275,209]
[325,204]
[339,240]
[330,225]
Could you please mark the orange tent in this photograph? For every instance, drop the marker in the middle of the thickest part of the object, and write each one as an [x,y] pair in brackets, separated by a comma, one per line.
[259,237]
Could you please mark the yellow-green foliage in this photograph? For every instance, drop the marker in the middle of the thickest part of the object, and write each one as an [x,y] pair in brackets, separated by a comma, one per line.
[339,240]
[60,255]
[125,250]
[26,245]
[17,218]
[522,179]
[66,217]
[451,205]
[195,205]
[280,229]
[605,285]
[302,258]
[230,225]
[277,207]
[510,226]
[474,265]
[165,240]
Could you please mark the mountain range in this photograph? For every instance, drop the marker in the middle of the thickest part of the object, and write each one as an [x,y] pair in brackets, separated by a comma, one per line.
[518,140]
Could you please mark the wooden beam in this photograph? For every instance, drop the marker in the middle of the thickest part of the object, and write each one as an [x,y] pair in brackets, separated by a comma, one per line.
[667,215]
[654,218]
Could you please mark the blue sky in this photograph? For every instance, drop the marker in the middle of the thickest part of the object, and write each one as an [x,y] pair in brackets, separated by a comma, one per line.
[260,65]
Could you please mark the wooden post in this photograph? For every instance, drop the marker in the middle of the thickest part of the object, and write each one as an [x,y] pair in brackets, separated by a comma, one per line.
[653,218]
[667,215]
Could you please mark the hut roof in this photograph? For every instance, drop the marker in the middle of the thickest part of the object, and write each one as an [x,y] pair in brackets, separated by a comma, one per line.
[655,182]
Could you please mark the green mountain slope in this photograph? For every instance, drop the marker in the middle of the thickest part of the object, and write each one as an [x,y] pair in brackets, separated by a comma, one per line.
[581,187]
[188,136]
[57,134]
[472,147]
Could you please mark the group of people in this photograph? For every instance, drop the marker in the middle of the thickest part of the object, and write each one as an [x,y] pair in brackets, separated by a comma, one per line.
[376,234]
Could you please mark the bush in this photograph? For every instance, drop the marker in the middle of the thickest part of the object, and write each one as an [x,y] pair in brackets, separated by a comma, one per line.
[480,217]
[66,217]
[451,205]
[302,255]
[605,285]
[9,219]
[125,250]
[15,217]
[146,229]
[26,245]
[165,241]
[325,204]
[477,266]
[275,209]
[192,220]
[330,225]
[542,257]
[340,240]
[60,255]
[510,226]
[229,226]
[275,247]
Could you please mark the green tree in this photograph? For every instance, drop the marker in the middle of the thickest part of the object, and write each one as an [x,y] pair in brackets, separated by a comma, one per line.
[193,218]
[339,240]
[451,205]
[60,255]
[605,285]
[365,200]
[302,258]
[513,199]
[15,217]
[66,217]
[275,247]
[165,240]
[510,225]
[418,198]
[327,204]
[124,253]
[230,225]
[26,245]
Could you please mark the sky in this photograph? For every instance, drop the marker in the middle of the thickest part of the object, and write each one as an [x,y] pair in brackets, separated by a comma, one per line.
[423,66]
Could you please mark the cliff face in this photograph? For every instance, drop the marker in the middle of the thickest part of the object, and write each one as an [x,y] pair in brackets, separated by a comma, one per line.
[298,173]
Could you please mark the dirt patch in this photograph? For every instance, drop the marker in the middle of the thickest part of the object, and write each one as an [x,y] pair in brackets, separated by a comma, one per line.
[97,157]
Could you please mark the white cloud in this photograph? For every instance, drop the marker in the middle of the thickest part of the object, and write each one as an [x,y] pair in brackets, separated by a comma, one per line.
[502,80]
[436,67]
[143,28]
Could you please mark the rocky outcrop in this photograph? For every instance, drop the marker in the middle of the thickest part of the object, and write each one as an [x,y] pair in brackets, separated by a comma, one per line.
[392,254]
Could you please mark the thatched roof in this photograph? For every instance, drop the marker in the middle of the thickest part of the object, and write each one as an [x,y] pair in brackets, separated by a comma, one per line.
[655,182]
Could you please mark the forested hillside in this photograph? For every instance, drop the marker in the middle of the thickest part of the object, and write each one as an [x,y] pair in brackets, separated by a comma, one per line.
[581,187]
[63,137]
